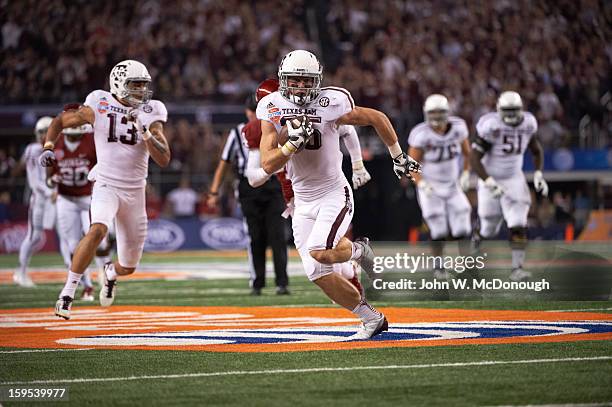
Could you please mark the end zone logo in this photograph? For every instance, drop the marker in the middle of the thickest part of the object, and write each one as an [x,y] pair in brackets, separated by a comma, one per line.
[272,329]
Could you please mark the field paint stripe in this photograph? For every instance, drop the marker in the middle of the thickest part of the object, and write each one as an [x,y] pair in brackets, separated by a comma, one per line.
[43,350]
[310,370]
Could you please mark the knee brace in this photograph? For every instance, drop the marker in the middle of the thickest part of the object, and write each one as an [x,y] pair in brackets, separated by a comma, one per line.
[518,238]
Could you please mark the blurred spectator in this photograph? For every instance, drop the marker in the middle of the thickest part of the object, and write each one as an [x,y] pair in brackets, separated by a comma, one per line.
[388,54]
[182,200]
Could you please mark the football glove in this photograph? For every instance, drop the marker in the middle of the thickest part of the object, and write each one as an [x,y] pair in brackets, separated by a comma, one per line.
[299,131]
[403,165]
[361,176]
[539,183]
[47,158]
[494,187]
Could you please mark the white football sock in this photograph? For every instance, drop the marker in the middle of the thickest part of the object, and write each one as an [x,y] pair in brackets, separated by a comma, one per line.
[72,282]
[518,257]
[366,312]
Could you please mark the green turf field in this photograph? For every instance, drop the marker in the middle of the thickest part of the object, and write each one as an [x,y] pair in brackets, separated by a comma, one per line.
[479,374]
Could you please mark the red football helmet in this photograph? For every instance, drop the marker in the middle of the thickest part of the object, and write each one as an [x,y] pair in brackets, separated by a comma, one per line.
[265,88]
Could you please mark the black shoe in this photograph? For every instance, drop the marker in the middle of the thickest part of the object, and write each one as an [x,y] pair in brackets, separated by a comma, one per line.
[282,290]
[256,291]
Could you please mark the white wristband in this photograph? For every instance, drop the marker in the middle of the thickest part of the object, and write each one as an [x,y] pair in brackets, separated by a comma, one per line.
[288,149]
[395,150]
[146,135]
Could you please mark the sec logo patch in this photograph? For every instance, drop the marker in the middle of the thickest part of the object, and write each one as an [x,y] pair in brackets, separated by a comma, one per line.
[324,101]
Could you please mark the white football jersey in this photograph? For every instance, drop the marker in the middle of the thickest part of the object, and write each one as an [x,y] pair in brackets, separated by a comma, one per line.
[123,158]
[503,145]
[36,173]
[318,168]
[442,152]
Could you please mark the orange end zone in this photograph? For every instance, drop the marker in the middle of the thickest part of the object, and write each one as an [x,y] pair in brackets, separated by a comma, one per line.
[273,329]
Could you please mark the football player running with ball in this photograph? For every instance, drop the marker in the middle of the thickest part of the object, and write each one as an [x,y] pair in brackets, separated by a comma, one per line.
[438,143]
[128,128]
[323,198]
[497,157]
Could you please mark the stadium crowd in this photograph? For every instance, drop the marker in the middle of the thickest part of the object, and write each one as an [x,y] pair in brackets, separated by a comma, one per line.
[389,54]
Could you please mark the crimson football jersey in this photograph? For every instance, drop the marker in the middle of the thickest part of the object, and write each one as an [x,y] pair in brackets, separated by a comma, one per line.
[252,133]
[73,165]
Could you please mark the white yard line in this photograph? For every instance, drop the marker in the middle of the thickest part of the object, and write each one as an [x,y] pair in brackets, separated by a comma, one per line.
[311,370]
[42,350]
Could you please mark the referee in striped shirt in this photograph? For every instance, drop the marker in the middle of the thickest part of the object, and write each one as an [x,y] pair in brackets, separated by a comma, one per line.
[261,206]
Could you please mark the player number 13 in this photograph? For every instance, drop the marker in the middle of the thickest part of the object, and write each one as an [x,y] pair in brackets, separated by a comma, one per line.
[112,137]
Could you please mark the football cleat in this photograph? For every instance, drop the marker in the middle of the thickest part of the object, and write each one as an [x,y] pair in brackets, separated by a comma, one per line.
[62,307]
[520,275]
[87,294]
[23,280]
[107,293]
[370,329]
[366,260]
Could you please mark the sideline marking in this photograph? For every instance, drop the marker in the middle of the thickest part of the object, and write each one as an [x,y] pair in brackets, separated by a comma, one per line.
[311,370]
[43,350]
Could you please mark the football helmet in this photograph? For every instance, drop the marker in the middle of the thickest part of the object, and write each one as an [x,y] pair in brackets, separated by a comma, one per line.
[266,87]
[40,129]
[124,79]
[436,110]
[510,108]
[304,64]
[78,131]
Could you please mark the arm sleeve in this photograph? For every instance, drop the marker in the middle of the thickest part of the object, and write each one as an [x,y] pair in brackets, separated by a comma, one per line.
[253,171]
[351,142]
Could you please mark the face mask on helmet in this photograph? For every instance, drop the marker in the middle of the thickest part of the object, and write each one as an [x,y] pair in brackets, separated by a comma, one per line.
[300,89]
[130,82]
[300,75]
[437,118]
[511,115]
[436,110]
[139,92]
[510,108]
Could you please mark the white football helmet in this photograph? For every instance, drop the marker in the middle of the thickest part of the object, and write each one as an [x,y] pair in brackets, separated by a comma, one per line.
[436,110]
[510,108]
[40,129]
[78,131]
[122,78]
[300,63]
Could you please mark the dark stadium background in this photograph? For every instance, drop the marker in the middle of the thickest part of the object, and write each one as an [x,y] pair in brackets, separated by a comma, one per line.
[207,56]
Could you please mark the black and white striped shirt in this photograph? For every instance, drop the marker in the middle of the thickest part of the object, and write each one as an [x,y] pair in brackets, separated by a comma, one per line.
[235,151]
